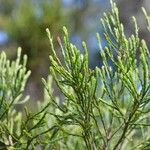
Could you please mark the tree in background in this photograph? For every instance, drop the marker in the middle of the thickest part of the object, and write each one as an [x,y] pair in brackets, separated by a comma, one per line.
[28,22]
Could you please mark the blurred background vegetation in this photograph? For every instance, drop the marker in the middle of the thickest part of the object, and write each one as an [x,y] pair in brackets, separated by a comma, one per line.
[23,23]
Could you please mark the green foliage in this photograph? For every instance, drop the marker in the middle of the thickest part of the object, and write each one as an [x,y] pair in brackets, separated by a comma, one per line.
[13,77]
[106,108]
[112,114]
[19,130]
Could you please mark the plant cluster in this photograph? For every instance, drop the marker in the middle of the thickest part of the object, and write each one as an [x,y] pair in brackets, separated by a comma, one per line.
[102,109]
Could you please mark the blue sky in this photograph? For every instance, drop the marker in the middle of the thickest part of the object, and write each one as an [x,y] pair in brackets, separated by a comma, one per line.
[3,37]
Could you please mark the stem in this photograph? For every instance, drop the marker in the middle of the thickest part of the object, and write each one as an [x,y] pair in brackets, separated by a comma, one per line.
[126,127]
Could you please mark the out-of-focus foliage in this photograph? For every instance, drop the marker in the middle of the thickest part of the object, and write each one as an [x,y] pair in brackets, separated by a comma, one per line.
[25,22]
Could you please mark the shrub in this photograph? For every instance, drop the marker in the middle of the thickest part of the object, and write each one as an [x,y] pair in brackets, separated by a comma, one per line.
[106,108]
